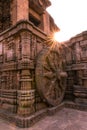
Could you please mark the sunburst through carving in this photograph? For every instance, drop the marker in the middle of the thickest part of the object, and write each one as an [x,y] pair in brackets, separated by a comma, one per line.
[50,78]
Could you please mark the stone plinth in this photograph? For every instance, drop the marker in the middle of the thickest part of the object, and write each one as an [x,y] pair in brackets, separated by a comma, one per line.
[80,93]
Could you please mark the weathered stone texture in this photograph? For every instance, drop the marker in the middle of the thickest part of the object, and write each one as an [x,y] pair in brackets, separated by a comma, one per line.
[19,47]
[22,9]
[76,60]
[24,27]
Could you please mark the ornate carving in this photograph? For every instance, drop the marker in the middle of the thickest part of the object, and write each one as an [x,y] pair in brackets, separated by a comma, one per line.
[26,99]
[10,51]
[50,78]
[9,80]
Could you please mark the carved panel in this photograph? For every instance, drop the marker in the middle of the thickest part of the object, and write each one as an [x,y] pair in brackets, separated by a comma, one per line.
[83,45]
[84,52]
[78,52]
[39,45]
[68,57]
[25,43]
[9,80]
[18,47]
[85,72]
[33,49]
[80,75]
[10,51]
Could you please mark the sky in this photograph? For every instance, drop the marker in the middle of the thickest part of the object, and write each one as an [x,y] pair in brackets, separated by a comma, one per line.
[70,16]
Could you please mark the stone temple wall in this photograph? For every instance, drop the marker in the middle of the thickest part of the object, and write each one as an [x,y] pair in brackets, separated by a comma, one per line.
[24,27]
[20,100]
[23,36]
[76,62]
[19,47]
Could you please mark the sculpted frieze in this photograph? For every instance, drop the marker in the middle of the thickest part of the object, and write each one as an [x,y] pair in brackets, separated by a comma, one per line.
[10,52]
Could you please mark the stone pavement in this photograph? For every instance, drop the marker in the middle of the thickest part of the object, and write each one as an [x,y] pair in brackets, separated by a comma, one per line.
[65,119]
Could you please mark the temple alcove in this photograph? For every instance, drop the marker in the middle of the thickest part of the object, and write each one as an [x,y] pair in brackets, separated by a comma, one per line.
[5,16]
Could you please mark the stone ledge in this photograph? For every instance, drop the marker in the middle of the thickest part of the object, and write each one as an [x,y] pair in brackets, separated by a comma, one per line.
[22,25]
[73,105]
[51,111]
[25,122]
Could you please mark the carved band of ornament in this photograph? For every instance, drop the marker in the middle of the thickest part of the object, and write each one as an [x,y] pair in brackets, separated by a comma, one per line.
[9,96]
[8,91]
[22,98]
[9,68]
[78,88]
[26,80]
[9,101]
[26,91]
[79,66]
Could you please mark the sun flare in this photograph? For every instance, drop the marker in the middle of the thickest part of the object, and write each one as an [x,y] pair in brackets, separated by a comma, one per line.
[56,36]
[60,36]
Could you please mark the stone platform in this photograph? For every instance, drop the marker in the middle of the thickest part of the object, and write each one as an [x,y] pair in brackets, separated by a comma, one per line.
[26,122]
[65,119]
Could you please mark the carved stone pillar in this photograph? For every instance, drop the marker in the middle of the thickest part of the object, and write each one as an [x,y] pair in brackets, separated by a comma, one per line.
[22,9]
[19,10]
[25,43]
[46,23]
[26,94]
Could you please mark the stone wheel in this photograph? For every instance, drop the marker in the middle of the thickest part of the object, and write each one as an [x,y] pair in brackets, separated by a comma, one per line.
[50,79]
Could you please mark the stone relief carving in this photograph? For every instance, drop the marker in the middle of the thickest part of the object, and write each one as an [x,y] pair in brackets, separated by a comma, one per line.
[84,52]
[8,80]
[50,77]
[10,51]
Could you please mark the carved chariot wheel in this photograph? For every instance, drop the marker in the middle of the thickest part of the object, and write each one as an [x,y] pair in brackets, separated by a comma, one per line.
[50,78]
